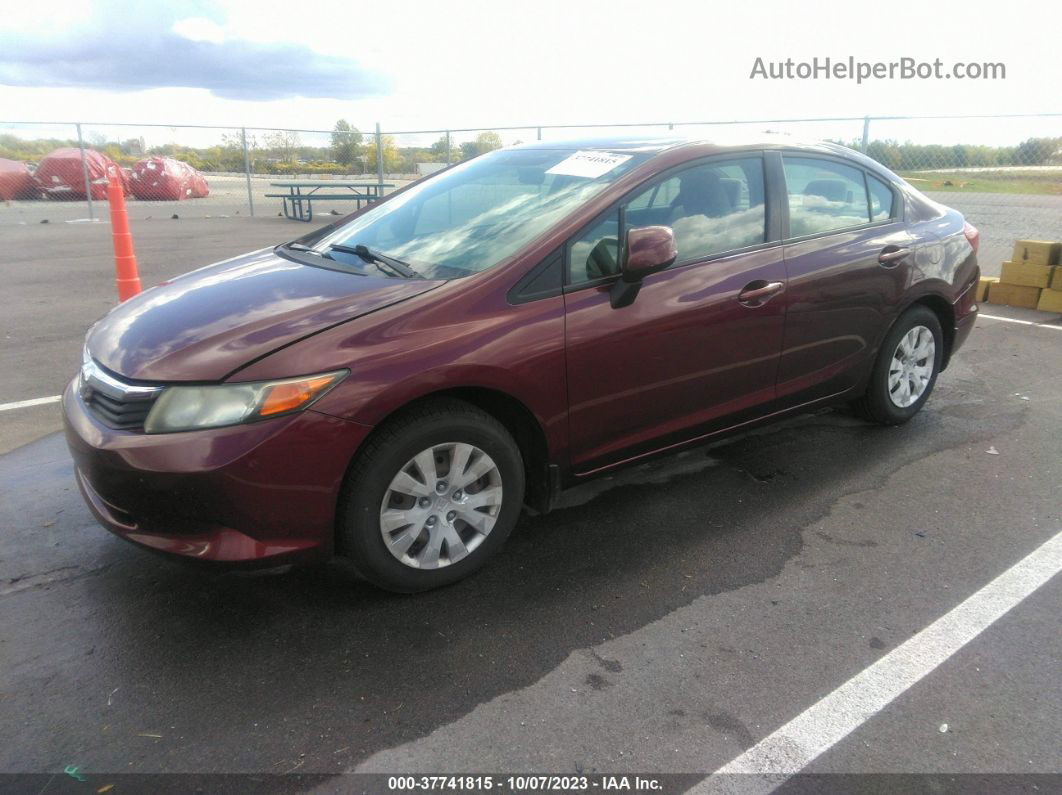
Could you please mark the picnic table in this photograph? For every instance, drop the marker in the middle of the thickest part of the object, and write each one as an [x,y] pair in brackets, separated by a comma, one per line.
[298,201]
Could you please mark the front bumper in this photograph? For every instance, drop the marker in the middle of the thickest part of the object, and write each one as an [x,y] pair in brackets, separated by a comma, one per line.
[264,493]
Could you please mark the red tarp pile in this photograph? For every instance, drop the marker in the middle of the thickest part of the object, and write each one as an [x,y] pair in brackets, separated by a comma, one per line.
[60,176]
[165,179]
[16,182]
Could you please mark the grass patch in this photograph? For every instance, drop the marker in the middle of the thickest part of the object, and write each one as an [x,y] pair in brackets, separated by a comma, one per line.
[1039,182]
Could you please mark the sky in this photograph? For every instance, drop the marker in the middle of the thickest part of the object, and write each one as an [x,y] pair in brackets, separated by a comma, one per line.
[465,63]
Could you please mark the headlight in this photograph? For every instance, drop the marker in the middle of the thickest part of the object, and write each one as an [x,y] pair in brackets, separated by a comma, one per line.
[186,408]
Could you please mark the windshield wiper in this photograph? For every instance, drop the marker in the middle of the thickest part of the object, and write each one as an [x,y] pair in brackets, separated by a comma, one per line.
[300,248]
[403,269]
[304,247]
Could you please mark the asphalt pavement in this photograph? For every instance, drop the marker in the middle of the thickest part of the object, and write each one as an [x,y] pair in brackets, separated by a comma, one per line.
[663,620]
[58,279]
[1003,218]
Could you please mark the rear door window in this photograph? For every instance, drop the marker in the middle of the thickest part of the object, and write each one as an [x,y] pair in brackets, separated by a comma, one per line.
[824,196]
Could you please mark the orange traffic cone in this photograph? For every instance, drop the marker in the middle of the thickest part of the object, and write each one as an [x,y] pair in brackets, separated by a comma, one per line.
[127,278]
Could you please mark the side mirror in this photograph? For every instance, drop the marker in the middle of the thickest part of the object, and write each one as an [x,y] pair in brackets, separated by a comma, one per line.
[649,249]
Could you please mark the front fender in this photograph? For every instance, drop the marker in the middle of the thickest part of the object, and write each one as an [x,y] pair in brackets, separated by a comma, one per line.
[408,351]
[374,406]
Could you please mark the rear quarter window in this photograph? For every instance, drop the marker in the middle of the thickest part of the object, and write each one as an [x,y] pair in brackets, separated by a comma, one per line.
[882,199]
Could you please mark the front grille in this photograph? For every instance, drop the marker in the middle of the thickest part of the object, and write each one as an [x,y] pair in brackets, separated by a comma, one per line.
[116,412]
[113,401]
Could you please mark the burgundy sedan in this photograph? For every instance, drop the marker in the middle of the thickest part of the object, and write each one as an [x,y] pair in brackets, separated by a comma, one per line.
[396,386]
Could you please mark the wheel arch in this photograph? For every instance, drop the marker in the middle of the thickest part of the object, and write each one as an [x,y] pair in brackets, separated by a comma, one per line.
[945,313]
[540,475]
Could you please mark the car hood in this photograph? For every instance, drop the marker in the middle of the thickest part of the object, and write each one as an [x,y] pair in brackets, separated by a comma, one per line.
[204,325]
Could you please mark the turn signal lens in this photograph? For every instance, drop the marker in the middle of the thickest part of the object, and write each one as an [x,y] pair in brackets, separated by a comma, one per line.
[291,395]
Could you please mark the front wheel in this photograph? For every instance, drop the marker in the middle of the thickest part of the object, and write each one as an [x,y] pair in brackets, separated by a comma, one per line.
[432,496]
[906,369]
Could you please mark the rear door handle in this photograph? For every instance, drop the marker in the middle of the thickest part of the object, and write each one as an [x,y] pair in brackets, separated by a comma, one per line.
[759,292]
[891,255]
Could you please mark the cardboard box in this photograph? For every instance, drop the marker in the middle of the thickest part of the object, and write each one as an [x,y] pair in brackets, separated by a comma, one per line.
[1030,274]
[1014,295]
[1050,301]
[1038,252]
[1056,280]
[983,286]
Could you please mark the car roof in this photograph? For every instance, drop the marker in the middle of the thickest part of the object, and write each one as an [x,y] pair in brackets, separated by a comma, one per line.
[722,141]
[655,144]
[640,143]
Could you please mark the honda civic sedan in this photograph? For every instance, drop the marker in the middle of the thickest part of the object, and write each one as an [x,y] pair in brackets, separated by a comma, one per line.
[396,387]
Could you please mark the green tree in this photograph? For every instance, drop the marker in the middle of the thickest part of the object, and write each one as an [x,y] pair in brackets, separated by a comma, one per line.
[282,143]
[469,150]
[488,142]
[484,142]
[1035,151]
[392,158]
[133,146]
[346,143]
[438,150]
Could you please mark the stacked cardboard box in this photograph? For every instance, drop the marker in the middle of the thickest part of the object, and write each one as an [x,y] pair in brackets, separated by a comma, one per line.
[1051,298]
[984,285]
[1031,278]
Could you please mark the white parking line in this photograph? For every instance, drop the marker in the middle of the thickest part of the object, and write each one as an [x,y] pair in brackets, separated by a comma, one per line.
[783,753]
[22,404]
[1019,322]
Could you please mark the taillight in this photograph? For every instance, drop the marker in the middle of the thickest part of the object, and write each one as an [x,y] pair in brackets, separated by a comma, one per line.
[972,235]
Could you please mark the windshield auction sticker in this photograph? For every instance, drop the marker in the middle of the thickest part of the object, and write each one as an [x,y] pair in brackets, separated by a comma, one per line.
[588,164]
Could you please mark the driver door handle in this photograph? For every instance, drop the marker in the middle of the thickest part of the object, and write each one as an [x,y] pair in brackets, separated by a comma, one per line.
[759,292]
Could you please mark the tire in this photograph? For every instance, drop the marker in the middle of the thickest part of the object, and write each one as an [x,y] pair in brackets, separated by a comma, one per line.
[387,486]
[884,401]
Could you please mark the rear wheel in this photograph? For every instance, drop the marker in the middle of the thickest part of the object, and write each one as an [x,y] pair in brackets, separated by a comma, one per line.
[432,496]
[906,369]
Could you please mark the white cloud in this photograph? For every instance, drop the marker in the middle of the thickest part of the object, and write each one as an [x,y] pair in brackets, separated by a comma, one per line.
[137,48]
[199,29]
[470,63]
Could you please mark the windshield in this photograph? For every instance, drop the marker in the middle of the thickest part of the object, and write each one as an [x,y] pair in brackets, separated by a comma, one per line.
[480,212]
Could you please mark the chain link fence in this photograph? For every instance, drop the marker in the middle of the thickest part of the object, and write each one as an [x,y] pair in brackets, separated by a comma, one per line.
[1009,184]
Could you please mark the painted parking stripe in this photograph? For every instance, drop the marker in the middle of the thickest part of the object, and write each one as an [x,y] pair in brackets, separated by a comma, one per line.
[1019,322]
[783,753]
[24,404]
